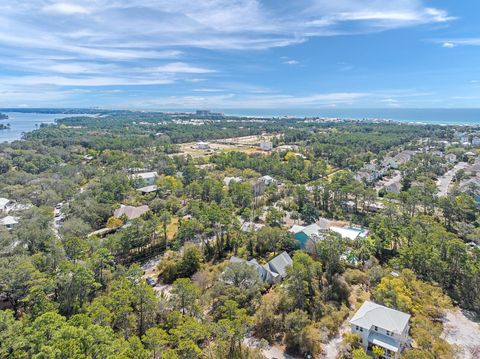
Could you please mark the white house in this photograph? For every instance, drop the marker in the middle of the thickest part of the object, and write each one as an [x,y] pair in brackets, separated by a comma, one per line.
[203,145]
[266,145]
[147,178]
[5,203]
[271,272]
[9,222]
[262,183]
[476,141]
[268,180]
[383,327]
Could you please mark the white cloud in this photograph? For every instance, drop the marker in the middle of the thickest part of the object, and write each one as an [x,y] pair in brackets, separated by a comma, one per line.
[231,100]
[66,8]
[391,102]
[183,68]
[450,43]
[208,90]
[92,43]
[82,81]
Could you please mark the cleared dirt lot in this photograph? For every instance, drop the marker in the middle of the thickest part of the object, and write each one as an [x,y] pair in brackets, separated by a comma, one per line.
[463,332]
[246,144]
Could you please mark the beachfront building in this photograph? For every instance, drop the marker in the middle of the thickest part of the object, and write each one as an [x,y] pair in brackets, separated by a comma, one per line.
[379,326]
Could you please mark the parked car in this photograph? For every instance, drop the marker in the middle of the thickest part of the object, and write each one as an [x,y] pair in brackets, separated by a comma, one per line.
[151,281]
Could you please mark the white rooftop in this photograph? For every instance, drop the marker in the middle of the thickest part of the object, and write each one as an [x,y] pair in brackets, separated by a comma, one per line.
[148,189]
[8,221]
[296,228]
[4,202]
[311,229]
[373,314]
[346,232]
[267,178]
[146,175]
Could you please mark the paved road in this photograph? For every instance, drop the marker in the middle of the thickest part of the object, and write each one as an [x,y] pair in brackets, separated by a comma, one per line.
[443,183]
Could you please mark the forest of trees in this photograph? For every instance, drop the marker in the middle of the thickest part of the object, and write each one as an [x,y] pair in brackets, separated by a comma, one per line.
[68,294]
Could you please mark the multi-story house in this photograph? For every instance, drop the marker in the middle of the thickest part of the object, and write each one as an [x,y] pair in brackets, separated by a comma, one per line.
[379,326]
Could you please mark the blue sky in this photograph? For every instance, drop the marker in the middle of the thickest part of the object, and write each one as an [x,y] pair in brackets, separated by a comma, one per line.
[273,54]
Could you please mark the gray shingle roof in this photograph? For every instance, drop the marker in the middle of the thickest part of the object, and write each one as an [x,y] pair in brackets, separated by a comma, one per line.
[279,264]
[131,212]
[276,268]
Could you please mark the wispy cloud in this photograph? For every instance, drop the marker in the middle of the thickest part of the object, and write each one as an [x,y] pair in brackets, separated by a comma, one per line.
[231,100]
[99,43]
[66,8]
[451,43]
[448,45]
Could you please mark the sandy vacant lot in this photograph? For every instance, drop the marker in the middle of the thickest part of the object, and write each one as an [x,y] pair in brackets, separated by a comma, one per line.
[463,332]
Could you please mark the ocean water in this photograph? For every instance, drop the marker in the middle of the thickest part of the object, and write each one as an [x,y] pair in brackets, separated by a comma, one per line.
[470,116]
[26,122]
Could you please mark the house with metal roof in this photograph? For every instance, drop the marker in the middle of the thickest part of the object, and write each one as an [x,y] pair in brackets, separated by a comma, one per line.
[383,327]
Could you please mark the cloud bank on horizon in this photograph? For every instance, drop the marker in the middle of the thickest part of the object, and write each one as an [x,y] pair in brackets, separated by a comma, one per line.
[160,54]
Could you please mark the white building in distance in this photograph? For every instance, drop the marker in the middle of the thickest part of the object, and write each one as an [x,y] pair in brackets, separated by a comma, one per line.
[203,145]
[266,145]
[147,178]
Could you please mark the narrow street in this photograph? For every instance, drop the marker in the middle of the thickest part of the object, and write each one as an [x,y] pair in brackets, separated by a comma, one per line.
[444,182]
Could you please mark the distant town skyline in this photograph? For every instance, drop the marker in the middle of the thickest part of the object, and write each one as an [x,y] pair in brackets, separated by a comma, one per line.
[219,54]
